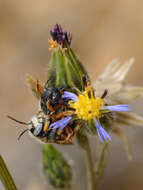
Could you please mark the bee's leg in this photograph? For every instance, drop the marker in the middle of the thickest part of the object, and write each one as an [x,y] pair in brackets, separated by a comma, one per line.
[68,131]
[64,138]
[46,125]
[73,133]
[70,135]
[62,114]
[61,140]
[57,106]
[65,142]
[45,140]
[50,108]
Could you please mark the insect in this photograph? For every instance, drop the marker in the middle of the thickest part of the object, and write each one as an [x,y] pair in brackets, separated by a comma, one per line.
[50,97]
[53,109]
[38,127]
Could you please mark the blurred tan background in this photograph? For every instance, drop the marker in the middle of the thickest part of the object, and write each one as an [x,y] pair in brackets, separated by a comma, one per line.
[102,30]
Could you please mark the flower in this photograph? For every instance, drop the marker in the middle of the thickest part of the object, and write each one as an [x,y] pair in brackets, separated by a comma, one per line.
[52,44]
[60,36]
[101,132]
[119,93]
[88,107]
[62,123]
[67,71]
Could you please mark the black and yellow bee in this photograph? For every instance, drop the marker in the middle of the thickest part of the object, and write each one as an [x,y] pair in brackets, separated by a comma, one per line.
[52,123]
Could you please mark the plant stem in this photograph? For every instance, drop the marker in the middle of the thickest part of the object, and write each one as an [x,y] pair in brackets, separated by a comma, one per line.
[101,154]
[5,176]
[84,144]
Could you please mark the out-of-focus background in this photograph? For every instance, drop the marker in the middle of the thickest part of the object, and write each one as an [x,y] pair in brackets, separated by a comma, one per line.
[102,31]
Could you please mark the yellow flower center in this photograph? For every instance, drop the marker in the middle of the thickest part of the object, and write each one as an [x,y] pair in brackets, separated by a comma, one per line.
[87,106]
[52,44]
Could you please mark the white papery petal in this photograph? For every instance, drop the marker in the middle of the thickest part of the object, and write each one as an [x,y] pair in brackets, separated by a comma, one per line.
[120,75]
[130,118]
[112,88]
[110,69]
[128,93]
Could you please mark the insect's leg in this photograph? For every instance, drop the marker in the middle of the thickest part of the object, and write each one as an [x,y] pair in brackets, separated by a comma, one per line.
[46,125]
[57,106]
[65,137]
[62,114]
[50,108]
[67,129]
[65,142]
[45,140]
[73,133]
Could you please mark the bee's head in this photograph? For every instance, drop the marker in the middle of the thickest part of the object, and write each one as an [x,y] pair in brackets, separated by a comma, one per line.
[35,125]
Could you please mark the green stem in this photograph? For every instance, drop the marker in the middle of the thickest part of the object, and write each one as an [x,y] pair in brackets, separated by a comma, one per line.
[102,153]
[5,176]
[84,144]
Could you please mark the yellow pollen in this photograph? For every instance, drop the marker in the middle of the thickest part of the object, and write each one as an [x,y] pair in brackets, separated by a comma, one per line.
[87,107]
[52,44]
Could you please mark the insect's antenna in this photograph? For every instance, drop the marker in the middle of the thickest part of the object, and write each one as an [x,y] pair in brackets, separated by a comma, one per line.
[22,133]
[21,122]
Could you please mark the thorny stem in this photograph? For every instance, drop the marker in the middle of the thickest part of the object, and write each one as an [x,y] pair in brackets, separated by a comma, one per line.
[5,176]
[84,144]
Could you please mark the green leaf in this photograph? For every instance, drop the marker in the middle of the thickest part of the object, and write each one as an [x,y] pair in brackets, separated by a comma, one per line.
[56,169]
[5,176]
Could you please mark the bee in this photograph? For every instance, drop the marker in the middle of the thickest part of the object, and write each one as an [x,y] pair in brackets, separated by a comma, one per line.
[38,127]
[50,97]
[52,109]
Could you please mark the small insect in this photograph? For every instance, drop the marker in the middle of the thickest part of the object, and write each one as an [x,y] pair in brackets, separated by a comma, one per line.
[53,111]
[51,99]
[39,127]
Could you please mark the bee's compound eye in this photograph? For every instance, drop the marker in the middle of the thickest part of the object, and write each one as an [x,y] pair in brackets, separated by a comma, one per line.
[38,129]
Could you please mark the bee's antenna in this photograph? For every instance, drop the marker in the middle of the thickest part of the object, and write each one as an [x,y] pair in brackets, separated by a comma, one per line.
[21,122]
[22,133]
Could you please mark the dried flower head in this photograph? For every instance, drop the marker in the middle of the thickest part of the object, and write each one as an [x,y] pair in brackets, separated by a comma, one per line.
[106,111]
[60,36]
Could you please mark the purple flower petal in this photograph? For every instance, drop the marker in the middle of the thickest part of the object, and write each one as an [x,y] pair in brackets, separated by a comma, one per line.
[61,123]
[60,36]
[103,135]
[69,96]
[120,108]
